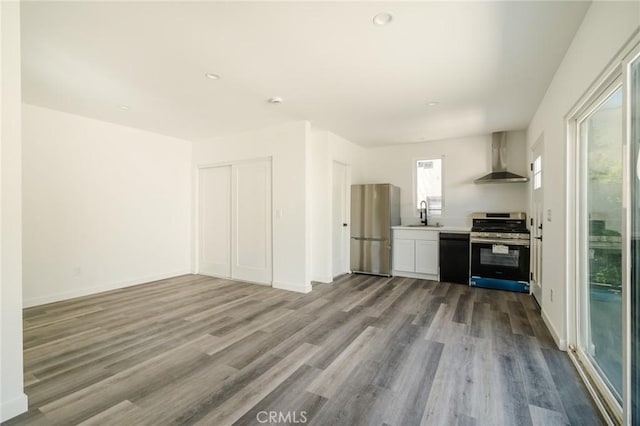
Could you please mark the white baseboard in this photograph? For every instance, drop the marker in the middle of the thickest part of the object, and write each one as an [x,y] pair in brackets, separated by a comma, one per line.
[304,288]
[11,408]
[560,342]
[431,277]
[324,279]
[57,297]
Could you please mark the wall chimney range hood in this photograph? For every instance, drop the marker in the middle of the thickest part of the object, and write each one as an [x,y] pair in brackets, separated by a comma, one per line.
[499,173]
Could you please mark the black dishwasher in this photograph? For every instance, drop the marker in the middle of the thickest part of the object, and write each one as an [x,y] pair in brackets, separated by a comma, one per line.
[454,257]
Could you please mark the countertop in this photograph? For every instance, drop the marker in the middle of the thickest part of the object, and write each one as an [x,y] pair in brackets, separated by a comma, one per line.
[434,228]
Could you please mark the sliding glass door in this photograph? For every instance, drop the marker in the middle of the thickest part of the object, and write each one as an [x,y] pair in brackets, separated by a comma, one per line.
[634,207]
[600,249]
[604,248]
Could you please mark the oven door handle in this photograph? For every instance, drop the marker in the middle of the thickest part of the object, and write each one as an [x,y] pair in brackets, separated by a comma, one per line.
[502,242]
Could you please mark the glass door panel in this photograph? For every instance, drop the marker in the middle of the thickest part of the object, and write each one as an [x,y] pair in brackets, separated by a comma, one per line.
[601,225]
[634,126]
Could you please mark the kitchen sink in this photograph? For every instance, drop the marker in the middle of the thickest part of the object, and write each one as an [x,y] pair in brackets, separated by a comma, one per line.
[425,226]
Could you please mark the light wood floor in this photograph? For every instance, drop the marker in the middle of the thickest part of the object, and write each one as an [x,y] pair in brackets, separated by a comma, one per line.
[363,350]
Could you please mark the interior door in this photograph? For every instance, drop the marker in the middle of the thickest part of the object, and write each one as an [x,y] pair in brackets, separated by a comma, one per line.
[537,219]
[215,221]
[251,222]
[339,223]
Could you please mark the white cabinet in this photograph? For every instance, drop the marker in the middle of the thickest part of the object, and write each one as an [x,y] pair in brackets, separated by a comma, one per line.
[235,221]
[404,255]
[415,253]
[426,257]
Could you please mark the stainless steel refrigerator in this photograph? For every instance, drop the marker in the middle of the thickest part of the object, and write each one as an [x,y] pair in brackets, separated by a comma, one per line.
[375,208]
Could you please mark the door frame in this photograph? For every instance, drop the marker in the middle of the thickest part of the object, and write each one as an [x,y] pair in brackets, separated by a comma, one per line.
[196,246]
[347,207]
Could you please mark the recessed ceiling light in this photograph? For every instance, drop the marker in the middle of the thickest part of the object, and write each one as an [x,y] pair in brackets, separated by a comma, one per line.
[212,76]
[124,107]
[431,104]
[275,100]
[383,18]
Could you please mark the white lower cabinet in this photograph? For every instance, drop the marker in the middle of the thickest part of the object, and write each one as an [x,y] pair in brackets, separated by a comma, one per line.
[427,257]
[404,255]
[416,254]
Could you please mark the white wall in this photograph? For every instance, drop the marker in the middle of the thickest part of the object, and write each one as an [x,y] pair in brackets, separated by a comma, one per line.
[320,173]
[346,152]
[105,206]
[12,398]
[464,160]
[325,148]
[605,29]
[286,145]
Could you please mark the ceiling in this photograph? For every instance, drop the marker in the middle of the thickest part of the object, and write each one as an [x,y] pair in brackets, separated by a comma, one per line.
[487,64]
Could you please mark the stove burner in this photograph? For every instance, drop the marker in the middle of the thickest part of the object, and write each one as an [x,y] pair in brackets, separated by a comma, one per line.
[500,227]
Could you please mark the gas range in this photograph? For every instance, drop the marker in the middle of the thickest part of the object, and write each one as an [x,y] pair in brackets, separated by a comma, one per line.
[500,251]
[505,228]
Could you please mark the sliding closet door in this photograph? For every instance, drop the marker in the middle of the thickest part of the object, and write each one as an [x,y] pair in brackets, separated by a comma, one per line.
[215,221]
[251,222]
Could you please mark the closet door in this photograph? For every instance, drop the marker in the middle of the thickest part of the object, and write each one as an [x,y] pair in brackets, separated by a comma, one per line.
[251,222]
[215,221]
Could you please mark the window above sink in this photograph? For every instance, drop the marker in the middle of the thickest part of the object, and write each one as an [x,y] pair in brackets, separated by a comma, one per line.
[428,185]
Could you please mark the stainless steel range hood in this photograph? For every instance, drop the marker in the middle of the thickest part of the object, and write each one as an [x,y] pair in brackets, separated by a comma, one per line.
[499,173]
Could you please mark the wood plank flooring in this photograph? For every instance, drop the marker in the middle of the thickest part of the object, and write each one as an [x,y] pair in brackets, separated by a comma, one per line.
[362,350]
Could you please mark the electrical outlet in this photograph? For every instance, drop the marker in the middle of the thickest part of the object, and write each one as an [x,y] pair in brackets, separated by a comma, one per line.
[551,295]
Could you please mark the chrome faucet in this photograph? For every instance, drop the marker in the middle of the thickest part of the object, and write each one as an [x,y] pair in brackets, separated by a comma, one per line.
[424,210]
